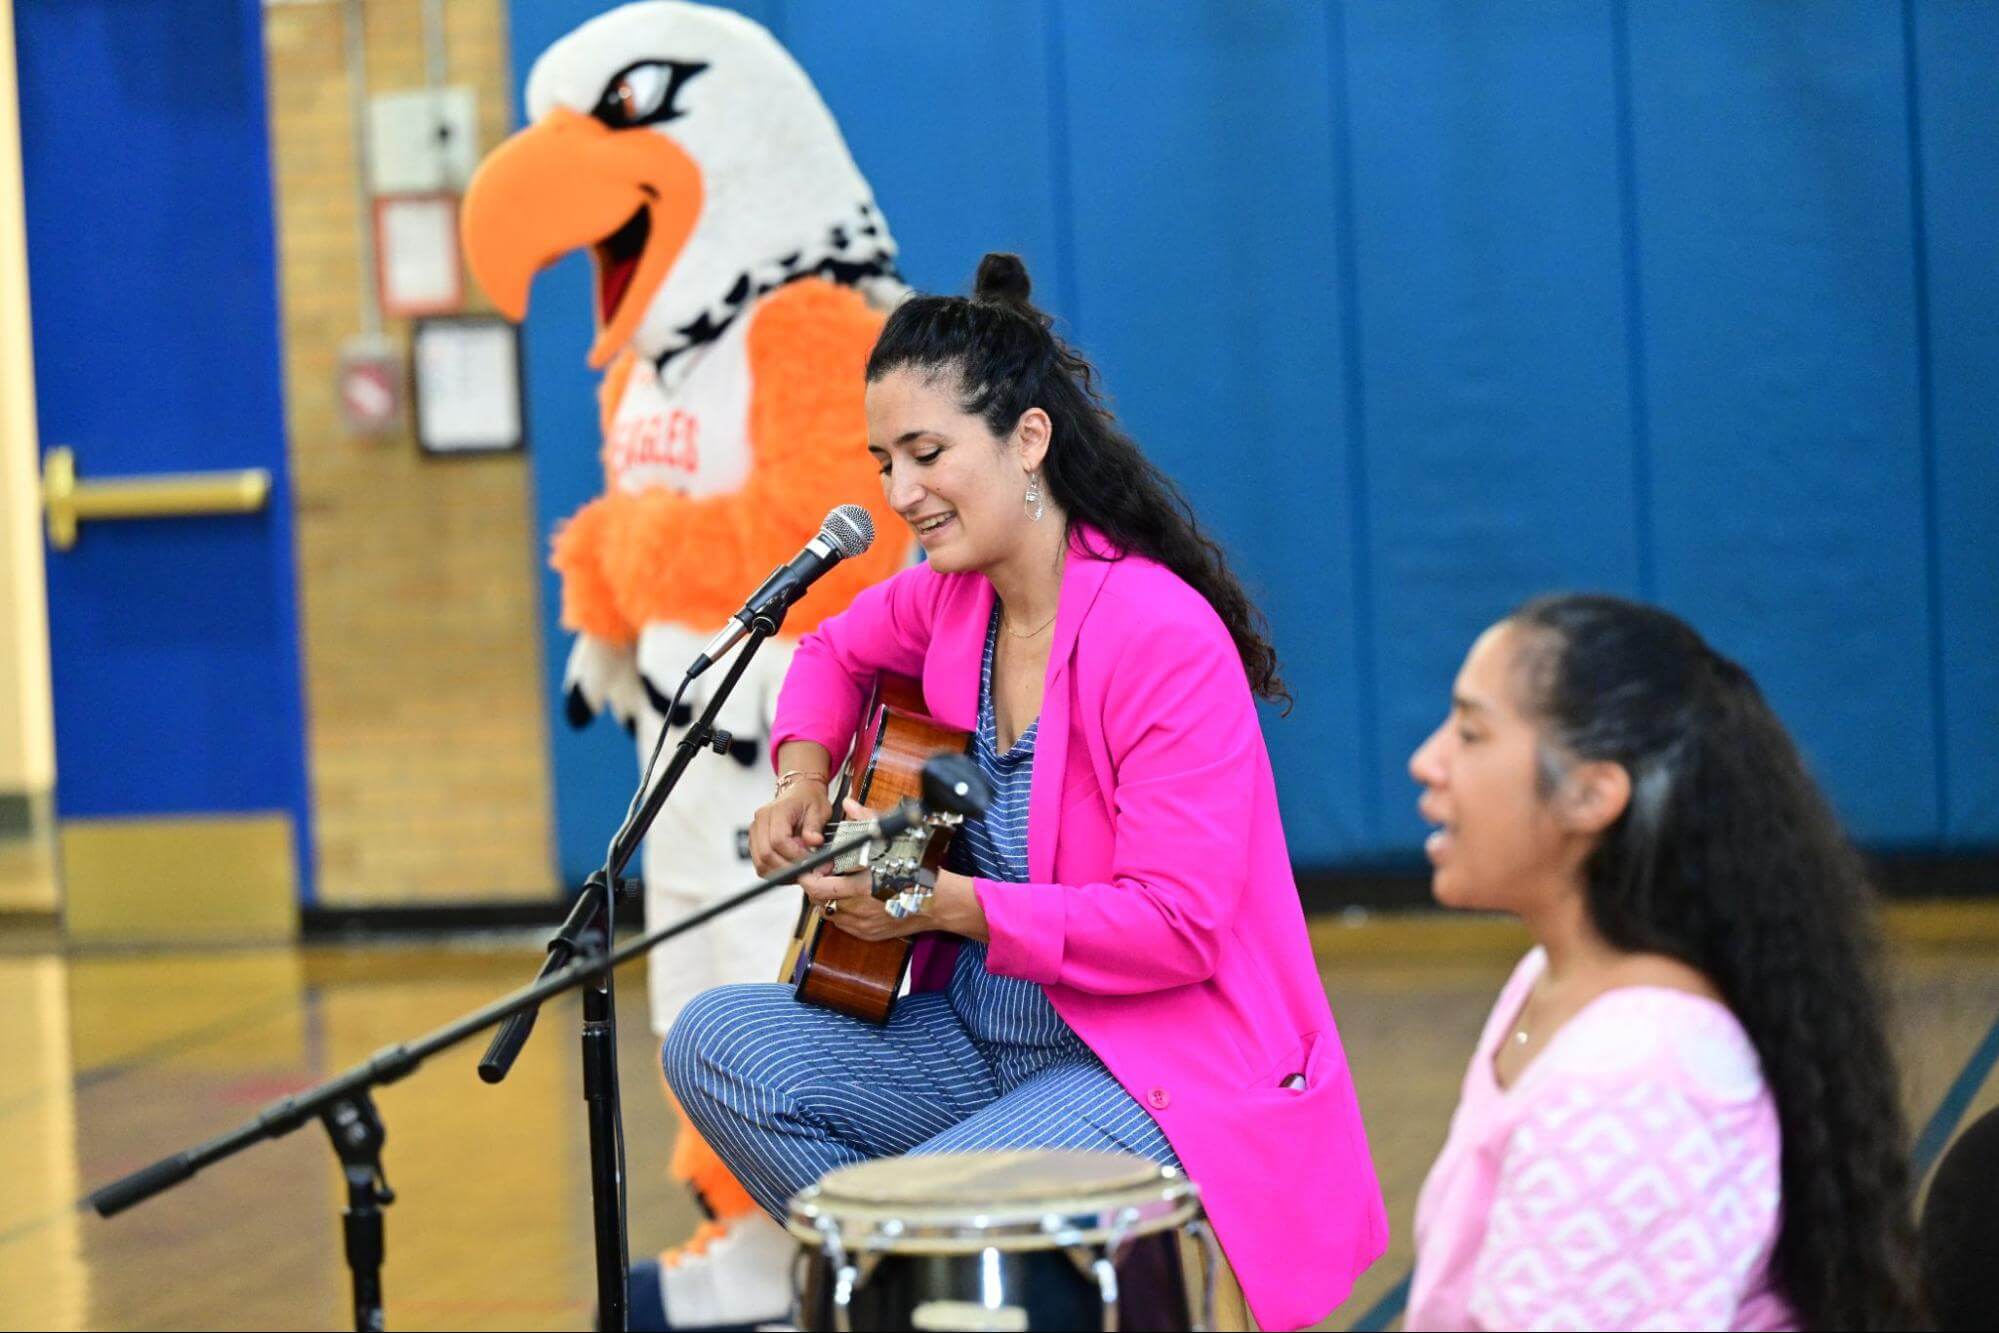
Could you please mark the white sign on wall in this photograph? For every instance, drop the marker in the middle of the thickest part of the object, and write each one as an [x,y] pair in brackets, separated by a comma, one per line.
[468,387]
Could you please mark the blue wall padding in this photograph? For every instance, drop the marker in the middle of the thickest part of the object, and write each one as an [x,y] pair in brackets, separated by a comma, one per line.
[941,152]
[1956,56]
[152,264]
[1431,307]
[1492,359]
[1781,345]
[1204,259]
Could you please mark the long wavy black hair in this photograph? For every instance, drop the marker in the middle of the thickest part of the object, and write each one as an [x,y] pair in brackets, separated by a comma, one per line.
[1007,358]
[1729,859]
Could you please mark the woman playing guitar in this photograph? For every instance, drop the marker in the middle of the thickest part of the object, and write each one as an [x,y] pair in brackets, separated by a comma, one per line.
[1115,956]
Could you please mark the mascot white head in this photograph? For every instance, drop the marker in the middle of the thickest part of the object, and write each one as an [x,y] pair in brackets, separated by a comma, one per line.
[691,154]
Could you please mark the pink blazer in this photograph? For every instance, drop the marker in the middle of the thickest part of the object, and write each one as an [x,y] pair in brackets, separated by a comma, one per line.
[1162,918]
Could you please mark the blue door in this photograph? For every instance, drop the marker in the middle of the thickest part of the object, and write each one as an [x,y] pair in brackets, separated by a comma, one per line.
[180,784]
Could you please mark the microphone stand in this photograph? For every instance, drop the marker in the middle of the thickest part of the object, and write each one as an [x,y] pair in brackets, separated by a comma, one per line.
[344,1105]
[595,913]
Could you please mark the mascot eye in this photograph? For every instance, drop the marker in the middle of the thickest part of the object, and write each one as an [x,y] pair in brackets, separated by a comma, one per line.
[644,94]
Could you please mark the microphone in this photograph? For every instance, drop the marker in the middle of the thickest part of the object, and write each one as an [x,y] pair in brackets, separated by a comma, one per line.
[846,532]
[953,785]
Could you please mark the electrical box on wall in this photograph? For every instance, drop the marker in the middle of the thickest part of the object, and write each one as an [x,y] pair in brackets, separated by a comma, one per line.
[423,141]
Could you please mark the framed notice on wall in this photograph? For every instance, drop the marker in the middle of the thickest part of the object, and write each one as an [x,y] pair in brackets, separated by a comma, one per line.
[467,373]
[416,255]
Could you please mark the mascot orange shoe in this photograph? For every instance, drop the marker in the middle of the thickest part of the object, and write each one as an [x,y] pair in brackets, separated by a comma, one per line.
[742,271]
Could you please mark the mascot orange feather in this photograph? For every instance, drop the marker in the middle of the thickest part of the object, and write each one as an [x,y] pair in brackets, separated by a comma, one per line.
[742,271]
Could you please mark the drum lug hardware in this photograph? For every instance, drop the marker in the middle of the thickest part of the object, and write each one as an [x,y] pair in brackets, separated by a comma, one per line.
[843,1297]
[1056,1227]
[1121,1226]
[800,1265]
[1096,1265]
[1107,1288]
[1103,1265]
[1211,1257]
[845,1274]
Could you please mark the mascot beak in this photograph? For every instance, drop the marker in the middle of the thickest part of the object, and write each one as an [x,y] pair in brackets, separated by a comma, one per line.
[633,196]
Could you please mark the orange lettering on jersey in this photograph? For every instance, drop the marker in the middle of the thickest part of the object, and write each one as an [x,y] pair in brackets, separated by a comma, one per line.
[653,442]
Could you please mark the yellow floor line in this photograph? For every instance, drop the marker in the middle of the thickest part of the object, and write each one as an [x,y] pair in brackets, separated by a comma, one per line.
[1939,924]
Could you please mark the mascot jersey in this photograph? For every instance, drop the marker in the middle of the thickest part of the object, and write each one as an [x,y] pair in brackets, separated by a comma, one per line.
[741,269]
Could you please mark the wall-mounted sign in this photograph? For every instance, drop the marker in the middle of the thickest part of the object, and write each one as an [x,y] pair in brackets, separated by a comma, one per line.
[468,384]
[416,255]
[423,140]
[369,386]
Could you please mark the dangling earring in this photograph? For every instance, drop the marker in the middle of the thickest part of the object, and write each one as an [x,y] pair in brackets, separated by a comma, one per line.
[1032,500]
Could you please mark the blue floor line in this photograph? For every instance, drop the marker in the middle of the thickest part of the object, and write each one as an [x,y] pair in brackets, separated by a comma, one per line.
[1943,1122]
[1384,1311]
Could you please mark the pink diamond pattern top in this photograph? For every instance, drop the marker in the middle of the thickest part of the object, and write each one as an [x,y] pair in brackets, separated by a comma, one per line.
[1629,1179]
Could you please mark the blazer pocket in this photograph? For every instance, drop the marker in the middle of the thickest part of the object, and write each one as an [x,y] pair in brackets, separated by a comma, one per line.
[1296,1071]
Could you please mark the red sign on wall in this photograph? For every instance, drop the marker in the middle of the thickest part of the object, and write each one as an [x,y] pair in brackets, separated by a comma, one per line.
[370,387]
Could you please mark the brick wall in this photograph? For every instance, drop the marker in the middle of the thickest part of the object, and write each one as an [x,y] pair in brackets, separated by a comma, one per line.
[423,688]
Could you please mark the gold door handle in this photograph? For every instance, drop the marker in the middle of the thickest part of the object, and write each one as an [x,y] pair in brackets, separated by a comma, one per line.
[68,501]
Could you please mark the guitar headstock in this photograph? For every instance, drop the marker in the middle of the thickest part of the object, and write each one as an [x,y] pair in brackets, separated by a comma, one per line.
[897,866]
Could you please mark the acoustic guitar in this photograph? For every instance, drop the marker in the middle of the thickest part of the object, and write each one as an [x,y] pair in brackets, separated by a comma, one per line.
[825,965]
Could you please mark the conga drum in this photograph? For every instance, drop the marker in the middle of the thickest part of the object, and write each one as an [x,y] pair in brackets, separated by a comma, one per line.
[1019,1240]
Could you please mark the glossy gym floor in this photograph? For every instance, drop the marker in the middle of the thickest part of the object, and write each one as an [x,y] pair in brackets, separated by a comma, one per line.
[114,1059]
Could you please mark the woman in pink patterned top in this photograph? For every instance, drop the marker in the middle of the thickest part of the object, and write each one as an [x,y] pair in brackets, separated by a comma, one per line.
[1682,1113]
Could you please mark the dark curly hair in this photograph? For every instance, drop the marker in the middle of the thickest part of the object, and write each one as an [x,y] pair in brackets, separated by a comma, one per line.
[1729,859]
[1007,359]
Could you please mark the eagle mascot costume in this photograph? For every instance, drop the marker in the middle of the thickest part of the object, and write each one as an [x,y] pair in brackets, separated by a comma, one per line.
[742,274]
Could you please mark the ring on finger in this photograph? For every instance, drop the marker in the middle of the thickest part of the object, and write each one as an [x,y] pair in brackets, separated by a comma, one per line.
[832,906]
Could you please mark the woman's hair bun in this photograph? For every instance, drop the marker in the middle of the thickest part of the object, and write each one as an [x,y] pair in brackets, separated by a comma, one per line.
[1002,278]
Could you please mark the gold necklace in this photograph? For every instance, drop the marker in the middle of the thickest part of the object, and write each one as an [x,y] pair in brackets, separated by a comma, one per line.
[1033,633]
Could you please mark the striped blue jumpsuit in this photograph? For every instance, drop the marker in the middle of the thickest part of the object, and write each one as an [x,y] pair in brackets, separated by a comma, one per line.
[786,1092]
